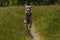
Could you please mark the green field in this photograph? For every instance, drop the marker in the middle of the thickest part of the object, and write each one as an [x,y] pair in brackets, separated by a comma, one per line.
[11,24]
[46,20]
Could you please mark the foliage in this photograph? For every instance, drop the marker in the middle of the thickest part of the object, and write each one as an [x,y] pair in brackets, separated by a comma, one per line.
[22,2]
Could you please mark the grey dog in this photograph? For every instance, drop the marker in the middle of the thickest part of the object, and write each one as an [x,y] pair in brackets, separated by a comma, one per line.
[28,15]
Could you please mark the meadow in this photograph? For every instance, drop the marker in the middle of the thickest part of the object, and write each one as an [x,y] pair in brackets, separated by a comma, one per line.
[47,21]
[11,24]
[45,18]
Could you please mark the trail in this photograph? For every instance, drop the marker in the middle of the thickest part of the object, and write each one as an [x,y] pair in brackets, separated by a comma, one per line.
[34,34]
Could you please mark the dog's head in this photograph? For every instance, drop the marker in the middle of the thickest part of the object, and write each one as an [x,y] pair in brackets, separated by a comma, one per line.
[28,8]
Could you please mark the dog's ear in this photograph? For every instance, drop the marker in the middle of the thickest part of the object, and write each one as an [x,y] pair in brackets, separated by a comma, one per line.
[25,5]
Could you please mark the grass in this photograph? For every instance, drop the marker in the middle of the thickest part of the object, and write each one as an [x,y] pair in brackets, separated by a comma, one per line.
[11,24]
[46,20]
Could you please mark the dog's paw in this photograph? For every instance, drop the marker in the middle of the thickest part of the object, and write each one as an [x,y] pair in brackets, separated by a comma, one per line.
[24,21]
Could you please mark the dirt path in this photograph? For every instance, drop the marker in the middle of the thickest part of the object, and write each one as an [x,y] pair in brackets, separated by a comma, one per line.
[34,34]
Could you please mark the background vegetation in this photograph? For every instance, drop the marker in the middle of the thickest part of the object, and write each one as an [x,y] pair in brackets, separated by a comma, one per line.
[22,2]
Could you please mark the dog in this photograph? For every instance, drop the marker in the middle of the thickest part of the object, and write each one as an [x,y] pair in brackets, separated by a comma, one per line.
[28,18]
[28,15]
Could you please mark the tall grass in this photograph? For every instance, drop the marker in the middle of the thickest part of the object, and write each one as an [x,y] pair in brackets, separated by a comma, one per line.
[11,24]
[47,21]
[45,18]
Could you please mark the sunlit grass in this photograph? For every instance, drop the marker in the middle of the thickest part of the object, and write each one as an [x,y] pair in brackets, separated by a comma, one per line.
[11,24]
[46,20]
